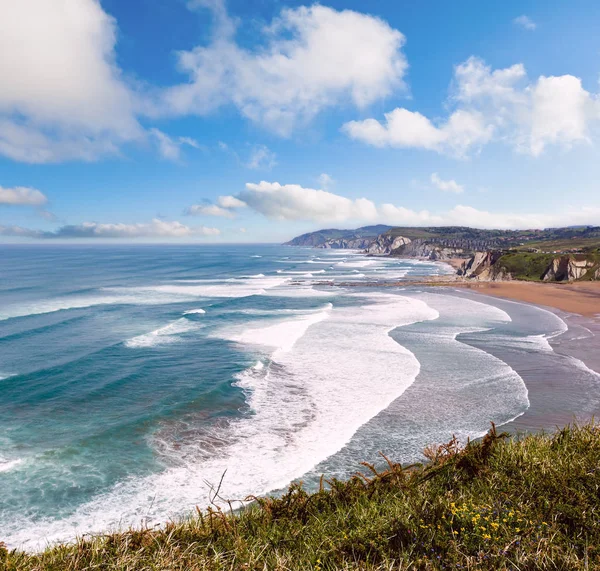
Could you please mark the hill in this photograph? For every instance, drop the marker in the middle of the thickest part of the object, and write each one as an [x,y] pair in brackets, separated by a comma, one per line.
[464,238]
[501,503]
[320,237]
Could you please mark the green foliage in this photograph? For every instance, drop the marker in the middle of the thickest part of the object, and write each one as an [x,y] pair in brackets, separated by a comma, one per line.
[527,503]
[525,266]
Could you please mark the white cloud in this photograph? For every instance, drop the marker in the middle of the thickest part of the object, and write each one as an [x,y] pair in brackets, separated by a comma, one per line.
[261,158]
[492,105]
[22,196]
[209,210]
[154,229]
[225,207]
[561,112]
[446,185]
[326,181]
[293,202]
[18,231]
[230,202]
[525,22]
[311,58]
[405,129]
[63,96]
[170,148]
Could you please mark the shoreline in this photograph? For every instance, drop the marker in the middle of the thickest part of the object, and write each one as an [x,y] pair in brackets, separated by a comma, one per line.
[559,394]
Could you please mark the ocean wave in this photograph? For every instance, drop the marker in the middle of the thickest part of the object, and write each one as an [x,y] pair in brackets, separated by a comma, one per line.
[230,288]
[163,335]
[288,311]
[326,376]
[194,311]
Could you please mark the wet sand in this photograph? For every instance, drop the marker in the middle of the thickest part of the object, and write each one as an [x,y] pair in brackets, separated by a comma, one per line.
[582,298]
[560,389]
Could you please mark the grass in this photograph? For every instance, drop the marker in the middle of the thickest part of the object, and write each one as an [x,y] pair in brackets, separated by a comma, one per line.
[525,266]
[502,503]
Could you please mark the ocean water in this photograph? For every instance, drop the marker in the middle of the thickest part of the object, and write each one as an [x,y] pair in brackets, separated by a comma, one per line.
[132,379]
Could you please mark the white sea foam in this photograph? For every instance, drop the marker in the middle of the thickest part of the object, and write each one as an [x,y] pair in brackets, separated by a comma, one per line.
[194,311]
[301,291]
[105,296]
[163,335]
[358,264]
[281,335]
[8,465]
[149,295]
[300,272]
[230,288]
[326,377]
[288,311]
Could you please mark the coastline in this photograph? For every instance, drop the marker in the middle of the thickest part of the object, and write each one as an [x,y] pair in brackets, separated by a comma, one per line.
[581,298]
[565,390]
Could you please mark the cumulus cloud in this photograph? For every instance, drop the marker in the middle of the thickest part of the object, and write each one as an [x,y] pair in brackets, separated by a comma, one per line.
[230,202]
[225,207]
[310,58]
[22,196]
[446,185]
[404,128]
[525,22]
[492,105]
[209,210]
[294,202]
[63,96]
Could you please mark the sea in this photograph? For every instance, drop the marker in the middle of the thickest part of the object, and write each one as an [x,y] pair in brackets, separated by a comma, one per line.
[136,381]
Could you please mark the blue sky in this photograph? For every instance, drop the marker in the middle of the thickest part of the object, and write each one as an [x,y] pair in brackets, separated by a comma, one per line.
[256,120]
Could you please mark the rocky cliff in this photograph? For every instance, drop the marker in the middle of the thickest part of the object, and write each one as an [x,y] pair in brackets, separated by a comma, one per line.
[402,247]
[570,268]
[347,244]
[482,266]
[501,266]
[385,245]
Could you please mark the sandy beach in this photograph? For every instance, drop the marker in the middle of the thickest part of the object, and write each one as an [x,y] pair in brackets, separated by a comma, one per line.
[582,298]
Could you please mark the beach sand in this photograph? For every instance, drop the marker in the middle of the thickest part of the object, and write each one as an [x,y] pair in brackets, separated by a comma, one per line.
[582,298]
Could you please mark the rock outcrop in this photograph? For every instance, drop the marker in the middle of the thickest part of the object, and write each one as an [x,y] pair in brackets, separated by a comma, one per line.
[570,268]
[347,244]
[502,266]
[428,250]
[482,266]
[402,247]
[385,245]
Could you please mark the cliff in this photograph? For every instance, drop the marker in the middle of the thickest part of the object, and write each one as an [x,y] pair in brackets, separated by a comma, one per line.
[499,266]
[403,247]
[570,268]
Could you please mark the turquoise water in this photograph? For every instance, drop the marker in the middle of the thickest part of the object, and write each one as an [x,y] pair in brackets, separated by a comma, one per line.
[133,378]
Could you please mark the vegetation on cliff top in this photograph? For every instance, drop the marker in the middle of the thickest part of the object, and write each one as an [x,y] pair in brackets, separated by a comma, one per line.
[525,503]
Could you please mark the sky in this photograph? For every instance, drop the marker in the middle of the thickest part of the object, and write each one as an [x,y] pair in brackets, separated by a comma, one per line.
[257,120]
